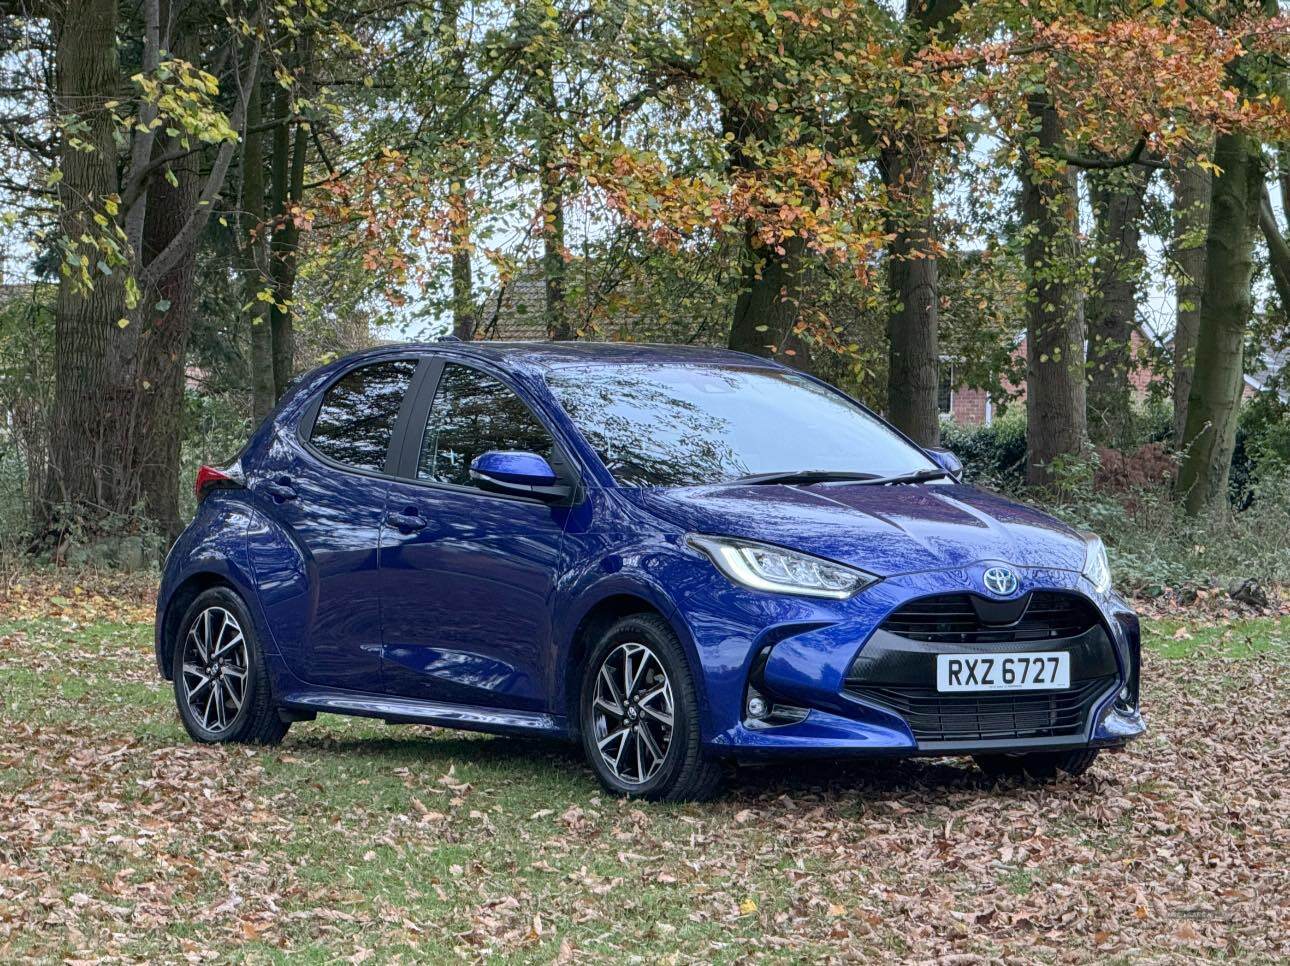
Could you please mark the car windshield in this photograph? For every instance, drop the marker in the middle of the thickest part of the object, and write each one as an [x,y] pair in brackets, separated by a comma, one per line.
[687,425]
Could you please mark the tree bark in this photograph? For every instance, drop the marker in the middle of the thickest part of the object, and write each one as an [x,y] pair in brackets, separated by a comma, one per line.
[1226,305]
[255,262]
[913,275]
[769,303]
[552,202]
[288,190]
[1191,223]
[768,306]
[463,298]
[1278,250]
[1055,380]
[84,471]
[913,279]
[167,321]
[1117,209]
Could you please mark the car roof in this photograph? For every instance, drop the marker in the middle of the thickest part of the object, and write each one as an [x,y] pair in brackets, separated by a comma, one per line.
[560,355]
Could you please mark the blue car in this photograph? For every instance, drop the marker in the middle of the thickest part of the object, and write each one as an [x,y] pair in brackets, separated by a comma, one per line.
[679,557]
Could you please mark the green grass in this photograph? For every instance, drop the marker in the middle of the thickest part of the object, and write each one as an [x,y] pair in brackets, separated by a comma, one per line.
[1175,639]
[121,838]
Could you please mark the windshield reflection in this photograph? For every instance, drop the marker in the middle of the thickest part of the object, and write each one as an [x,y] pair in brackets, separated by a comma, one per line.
[688,425]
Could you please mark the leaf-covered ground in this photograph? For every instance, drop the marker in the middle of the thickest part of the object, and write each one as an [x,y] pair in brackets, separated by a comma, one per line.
[121,840]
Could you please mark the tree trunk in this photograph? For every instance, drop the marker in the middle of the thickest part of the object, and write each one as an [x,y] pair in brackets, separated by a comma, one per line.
[1191,222]
[463,298]
[1055,381]
[288,189]
[1278,251]
[255,262]
[913,279]
[1218,376]
[913,275]
[769,303]
[1117,208]
[167,311]
[552,214]
[84,473]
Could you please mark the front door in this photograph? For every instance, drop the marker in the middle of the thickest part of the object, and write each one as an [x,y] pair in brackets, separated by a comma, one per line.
[467,575]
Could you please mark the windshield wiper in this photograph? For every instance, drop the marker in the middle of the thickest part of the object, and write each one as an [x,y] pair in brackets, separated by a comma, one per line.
[803,476]
[922,476]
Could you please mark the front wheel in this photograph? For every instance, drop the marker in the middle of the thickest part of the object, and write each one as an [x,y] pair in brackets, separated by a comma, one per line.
[220,676]
[639,715]
[1039,766]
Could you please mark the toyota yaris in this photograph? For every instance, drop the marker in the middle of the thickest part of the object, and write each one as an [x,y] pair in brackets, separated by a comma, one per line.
[677,557]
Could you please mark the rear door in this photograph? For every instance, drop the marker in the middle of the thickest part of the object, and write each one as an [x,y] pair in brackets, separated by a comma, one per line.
[327,488]
[467,579]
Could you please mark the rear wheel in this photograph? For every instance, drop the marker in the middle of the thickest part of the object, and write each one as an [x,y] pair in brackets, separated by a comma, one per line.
[1039,766]
[220,676]
[639,715]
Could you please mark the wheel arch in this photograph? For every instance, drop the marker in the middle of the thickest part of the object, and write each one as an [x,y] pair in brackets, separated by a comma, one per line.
[614,602]
[181,598]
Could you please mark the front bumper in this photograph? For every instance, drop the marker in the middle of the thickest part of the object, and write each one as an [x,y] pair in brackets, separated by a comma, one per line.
[813,665]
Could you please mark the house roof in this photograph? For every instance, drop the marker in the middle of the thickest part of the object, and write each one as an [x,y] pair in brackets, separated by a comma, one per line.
[1267,367]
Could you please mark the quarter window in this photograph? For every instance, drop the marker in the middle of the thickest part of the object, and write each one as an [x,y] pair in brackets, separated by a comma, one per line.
[355,422]
[473,413]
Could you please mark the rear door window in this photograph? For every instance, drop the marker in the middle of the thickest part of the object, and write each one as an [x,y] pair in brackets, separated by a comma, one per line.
[355,421]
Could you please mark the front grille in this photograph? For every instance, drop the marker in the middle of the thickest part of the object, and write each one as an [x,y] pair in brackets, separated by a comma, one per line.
[933,716]
[964,619]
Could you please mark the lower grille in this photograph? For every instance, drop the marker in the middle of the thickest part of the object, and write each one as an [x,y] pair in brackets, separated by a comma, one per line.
[933,716]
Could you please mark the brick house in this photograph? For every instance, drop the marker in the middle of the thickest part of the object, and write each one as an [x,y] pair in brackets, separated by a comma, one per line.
[972,407]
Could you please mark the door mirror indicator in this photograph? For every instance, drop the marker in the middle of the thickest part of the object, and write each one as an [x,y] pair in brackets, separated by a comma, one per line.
[523,474]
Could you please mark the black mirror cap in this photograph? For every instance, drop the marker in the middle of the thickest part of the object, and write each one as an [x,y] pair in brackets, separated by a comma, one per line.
[552,493]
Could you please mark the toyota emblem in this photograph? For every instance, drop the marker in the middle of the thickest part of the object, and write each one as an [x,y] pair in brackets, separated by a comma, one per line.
[1000,581]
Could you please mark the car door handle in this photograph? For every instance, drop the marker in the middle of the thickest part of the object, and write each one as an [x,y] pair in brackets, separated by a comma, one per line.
[281,490]
[406,522]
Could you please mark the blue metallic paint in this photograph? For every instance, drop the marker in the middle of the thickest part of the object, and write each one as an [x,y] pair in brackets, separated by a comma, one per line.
[526,468]
[472,621]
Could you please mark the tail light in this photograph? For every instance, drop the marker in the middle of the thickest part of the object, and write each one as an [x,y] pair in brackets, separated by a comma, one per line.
[214,477]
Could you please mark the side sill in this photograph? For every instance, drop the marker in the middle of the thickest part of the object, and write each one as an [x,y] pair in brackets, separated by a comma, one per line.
[395,710]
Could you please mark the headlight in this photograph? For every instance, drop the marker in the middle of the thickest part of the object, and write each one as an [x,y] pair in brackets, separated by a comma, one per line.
[1096,567]
[765,567]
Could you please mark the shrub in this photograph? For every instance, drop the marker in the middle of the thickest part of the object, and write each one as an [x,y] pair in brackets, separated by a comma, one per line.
[1262,446]
[994,455]
[1126,498]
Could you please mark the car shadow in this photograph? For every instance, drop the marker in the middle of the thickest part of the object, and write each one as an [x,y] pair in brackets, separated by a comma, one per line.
[874,778]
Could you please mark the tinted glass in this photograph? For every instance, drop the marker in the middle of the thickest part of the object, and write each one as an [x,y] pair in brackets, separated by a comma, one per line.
[356,418]
[473,413]
[678,425]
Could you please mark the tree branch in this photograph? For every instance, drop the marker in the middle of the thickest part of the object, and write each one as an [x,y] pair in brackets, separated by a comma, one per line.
[1106,164]
[1278,250]
[141,149]
[185,237]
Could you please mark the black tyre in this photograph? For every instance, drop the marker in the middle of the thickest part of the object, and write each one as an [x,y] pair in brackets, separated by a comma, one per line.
[220,677]
[639,715]
[1038,766]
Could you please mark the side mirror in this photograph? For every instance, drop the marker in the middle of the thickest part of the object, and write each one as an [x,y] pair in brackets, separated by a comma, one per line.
[523,474]
[946,460]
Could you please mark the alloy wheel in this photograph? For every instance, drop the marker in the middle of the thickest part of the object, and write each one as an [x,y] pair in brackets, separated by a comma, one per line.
[215,669]
[632,713]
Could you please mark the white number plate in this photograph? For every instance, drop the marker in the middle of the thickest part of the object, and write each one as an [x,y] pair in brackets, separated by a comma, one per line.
[1003,672]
